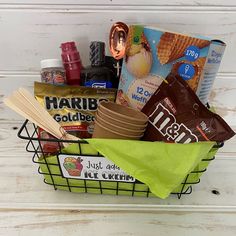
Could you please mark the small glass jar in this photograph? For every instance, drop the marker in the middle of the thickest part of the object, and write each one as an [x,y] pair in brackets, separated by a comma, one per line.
[53,72]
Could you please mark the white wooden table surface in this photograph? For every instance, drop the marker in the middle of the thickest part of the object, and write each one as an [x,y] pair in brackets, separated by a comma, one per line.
[32,30]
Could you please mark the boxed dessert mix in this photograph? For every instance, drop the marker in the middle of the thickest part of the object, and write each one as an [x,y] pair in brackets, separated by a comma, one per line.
[151,54]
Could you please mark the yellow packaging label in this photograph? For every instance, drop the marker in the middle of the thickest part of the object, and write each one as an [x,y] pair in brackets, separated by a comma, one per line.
[74,107]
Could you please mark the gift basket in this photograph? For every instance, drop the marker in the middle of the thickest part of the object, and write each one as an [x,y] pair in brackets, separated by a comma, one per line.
[143,130]
[50,168]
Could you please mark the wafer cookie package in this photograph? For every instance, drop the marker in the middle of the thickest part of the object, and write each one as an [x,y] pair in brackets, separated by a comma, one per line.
[151,54]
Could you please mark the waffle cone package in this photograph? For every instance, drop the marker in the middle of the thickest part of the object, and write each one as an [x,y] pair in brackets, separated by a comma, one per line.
[151,54]
[177,115]
[173,46]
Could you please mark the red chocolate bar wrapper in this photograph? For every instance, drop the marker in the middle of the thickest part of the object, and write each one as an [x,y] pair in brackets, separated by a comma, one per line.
[177,115]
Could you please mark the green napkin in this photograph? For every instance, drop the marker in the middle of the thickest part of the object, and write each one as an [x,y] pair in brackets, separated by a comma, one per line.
[161,166]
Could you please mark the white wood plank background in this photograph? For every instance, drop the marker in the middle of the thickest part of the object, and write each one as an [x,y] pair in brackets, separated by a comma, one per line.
[32,30]
[125,3]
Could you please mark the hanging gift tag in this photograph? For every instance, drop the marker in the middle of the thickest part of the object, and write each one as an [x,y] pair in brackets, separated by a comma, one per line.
[91,168]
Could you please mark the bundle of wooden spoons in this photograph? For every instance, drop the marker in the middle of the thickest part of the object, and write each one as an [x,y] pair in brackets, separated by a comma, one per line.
[22,102]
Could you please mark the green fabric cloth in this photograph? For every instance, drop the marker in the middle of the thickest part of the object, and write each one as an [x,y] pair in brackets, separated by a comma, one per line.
[161,166]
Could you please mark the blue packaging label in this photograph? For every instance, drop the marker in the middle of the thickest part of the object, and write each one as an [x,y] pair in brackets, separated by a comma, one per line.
[96,84]
[192,53]
[186,71]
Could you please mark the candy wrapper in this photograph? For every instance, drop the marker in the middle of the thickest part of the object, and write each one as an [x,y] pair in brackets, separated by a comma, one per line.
[74,107]
[177,115]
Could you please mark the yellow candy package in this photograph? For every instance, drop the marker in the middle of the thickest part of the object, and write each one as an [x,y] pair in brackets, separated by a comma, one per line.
[74,107]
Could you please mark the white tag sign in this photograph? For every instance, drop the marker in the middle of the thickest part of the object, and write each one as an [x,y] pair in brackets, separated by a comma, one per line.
[92,168]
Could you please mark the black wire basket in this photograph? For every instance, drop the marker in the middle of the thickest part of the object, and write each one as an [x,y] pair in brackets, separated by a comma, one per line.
[51,168]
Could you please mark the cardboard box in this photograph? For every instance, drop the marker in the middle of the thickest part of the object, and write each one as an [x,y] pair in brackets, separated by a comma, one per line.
[151,54]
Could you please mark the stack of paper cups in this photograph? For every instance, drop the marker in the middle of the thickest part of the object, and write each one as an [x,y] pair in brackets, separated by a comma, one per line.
[119,122]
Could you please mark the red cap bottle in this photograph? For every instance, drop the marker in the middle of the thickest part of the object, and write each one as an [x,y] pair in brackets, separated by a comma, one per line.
[72,63]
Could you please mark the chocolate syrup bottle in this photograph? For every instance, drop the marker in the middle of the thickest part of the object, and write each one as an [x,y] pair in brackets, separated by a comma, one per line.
[72,63]
[97,75]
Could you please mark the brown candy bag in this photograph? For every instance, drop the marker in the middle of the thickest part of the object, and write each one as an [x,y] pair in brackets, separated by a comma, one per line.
[177,115]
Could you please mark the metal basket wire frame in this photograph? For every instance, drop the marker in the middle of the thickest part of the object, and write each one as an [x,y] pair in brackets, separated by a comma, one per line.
[29,131]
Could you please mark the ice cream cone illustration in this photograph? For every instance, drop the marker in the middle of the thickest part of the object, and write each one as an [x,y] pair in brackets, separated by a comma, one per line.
[73,166]
[198,67]
[172,46]
[138,54]
[74,172]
